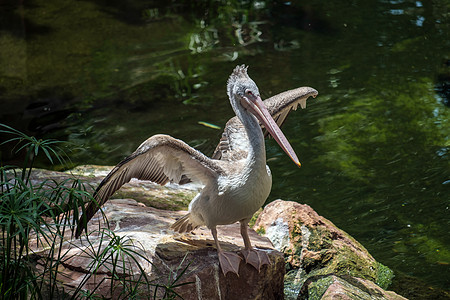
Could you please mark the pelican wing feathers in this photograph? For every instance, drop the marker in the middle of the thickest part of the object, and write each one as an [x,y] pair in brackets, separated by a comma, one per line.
[234,137]
[160,159]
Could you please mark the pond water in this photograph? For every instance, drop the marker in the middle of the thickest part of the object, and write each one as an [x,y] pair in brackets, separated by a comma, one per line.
[374,144]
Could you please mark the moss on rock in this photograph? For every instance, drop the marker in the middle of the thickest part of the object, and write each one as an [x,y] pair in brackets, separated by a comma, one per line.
[159,197]
[384,276]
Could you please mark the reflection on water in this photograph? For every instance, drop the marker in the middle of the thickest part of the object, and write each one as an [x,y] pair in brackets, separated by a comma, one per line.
[374,143]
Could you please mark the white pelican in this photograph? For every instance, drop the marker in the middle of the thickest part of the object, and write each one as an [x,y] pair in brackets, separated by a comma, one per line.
[236,179]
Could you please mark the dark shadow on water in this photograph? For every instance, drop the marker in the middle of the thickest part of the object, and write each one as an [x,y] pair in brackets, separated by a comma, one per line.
[126,11]
[414,289]
[303,17]
[136,12]
[42,114]
[14,21]
[443,83]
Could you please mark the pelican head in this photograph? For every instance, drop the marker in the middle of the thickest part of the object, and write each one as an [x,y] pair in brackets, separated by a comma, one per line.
[244,97]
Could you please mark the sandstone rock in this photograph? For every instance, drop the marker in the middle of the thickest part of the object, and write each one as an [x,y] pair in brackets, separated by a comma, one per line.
[310,239]
[164,255]
[169,197]
[344,288]
[314,246]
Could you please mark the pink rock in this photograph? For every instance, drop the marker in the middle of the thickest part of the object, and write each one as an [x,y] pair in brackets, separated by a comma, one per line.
[321,255]
[346,288]
[310,240]
[163,255]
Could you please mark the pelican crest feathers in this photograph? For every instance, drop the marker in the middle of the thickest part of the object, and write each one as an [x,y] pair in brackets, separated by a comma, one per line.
[239,73]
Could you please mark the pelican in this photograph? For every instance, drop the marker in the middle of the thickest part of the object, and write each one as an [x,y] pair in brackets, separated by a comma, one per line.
[236,179]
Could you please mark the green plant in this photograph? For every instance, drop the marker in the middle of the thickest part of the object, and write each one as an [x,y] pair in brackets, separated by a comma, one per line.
[39,212]
[46,214]
[111,259]
[33,146]
[172,281]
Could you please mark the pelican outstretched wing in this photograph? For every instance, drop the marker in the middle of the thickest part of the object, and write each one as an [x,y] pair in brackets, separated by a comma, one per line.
[160,159]
[234,139]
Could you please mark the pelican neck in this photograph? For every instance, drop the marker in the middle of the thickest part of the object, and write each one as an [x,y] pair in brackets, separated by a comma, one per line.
[257,151]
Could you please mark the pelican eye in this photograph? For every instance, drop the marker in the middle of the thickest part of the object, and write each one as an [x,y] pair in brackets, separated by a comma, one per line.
[248,92]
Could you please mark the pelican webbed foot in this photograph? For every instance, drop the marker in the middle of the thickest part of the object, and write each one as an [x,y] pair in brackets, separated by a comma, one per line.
[255,258]
[229,262]
[252,256]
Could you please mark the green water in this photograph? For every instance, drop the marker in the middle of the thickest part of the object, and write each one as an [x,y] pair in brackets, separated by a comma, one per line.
[374,144]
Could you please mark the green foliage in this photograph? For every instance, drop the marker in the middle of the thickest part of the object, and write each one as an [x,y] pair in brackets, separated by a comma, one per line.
[115,256]
[261,231]
[172,282]
[384,276]
[33,147]
[255,216]
[46,214]
[28,211]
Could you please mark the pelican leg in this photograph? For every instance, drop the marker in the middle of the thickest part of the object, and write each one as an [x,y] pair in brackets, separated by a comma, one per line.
[253,257]
[229,261]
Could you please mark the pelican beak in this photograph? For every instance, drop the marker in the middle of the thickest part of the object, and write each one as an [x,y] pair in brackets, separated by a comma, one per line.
[257,108]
